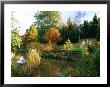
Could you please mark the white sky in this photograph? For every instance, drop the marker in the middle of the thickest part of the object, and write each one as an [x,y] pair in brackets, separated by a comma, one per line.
[24,15]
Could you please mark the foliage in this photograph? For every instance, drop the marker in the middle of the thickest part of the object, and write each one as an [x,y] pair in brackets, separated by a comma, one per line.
[77,49]
[52,36]
[48,47]
[30,36]
[21,70]
[69,23]
[91,29]
[89,65]
[68,46]
[53,31]
[91,48]
[48,55]
[33,57]
[96,27]
[64,34]
[45,20]
[70,31]
[96,60]
[85,51]
[74,34]
[15,40]
[85,29]
[29,67]
[34,45]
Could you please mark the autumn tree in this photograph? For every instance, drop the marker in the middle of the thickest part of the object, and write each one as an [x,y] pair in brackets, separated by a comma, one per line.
[52,36]
[45,20]
[31,35]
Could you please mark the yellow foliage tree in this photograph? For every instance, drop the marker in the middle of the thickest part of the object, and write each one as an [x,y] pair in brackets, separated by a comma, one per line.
[68,45]
[31,35]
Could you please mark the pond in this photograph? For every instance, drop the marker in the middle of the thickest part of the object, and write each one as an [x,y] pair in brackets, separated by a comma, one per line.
[54,67]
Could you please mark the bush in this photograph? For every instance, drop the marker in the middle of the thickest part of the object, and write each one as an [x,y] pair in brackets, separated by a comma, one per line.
[68,46]
[89,65]
[28,68]
[33,58]
[96,60]
[48,55]
[48,47]
[21,70]
[34,45]
[91,48]
[77,50]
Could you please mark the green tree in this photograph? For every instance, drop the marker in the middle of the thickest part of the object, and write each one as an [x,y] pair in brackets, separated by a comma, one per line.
[45,20]
[15,40]
[95,27]
[69,31]
[85,30]
[91,29]
[69,23]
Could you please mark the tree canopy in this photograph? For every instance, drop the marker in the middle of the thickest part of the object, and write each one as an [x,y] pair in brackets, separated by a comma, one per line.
[31,35]
[45,20]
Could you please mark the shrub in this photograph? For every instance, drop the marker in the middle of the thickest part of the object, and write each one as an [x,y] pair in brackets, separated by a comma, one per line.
[32,62]
[77,50]
[48,47]
[48,55]
[96,60]
[68,46]
[91,48]
[33,58]
[52,54]
[21,69]
[85,51]
[34,45]
[89,65]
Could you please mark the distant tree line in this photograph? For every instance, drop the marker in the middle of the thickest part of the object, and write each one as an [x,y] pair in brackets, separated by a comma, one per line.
[51,19]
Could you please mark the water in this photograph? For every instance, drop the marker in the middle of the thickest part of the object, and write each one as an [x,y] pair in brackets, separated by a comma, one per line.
[51,67]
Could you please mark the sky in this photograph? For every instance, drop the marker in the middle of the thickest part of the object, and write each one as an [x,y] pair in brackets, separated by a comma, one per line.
[25,17]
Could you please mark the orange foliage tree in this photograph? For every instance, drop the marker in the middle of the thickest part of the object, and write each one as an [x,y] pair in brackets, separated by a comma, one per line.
[52,36]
